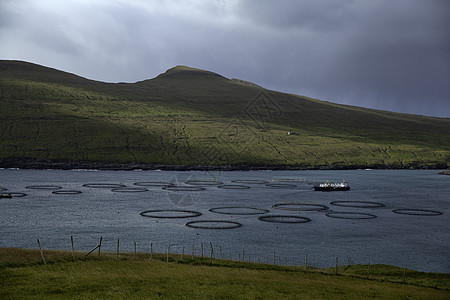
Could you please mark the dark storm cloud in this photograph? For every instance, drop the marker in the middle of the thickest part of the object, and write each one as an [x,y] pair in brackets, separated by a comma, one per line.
[384,54]
[317,15]
[390,55]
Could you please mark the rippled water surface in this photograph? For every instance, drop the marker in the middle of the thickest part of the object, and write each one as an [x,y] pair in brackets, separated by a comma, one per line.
[373,232]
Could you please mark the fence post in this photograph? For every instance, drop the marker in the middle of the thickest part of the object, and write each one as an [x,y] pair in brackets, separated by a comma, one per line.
[273,257]
[42,253]
[182,253]
[134,249]
[202,251]
[368,270]
[404,274]
[306,261]
[117,254]
[73,250]
[99,247]
[336,265]
[192,252]
[151,251]
[243,254]
[220,250]
[168,252]
[212,253]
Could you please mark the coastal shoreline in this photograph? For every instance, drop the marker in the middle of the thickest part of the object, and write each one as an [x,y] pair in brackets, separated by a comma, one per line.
[22,163]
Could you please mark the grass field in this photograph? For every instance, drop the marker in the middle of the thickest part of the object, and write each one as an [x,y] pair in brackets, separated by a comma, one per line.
[193,117]
[24,276]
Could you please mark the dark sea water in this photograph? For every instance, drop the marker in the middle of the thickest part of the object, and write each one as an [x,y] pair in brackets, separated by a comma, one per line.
[420,242]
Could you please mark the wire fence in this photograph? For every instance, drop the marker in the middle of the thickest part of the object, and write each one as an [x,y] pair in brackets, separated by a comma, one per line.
[216,255]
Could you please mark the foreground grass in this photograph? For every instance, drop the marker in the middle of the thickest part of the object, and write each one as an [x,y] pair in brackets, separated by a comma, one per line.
[24,276]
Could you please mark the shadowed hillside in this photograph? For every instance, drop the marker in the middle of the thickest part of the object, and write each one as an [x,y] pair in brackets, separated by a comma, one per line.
[197,118]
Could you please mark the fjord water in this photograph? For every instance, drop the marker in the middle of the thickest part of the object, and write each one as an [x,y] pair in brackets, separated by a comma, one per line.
[410,241]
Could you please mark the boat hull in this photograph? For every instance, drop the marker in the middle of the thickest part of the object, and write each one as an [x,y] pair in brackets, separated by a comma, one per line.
[331,188]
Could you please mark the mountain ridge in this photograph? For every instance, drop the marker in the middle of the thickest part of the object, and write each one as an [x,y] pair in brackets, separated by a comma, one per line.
[192,117]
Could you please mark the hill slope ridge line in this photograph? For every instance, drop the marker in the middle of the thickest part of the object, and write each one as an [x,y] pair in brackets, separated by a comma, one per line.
[196,119]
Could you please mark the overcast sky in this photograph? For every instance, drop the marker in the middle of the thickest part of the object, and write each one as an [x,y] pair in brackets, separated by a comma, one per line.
[385,54]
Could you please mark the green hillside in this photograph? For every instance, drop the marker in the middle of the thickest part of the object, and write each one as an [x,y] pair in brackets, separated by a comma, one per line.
[197,118]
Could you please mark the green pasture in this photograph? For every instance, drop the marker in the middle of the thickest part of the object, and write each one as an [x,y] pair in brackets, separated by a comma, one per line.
[24,276]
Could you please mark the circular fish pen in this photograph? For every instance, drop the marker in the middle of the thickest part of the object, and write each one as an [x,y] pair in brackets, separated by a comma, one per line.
[104,185]
[290,180]
[350,215]
[129,190]
[44,187]
[238,210]
[181,188]
[281,185]
[284,219]
[294,206]
[233,187]
[203,182]
[153,183]
[417,212]
[66,192]
[250,181]
[358,204]
[16,195]
[170,213]
[213,224]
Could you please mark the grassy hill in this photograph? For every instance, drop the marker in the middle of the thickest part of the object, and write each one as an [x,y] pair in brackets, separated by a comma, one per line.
[197,118]
[24,276]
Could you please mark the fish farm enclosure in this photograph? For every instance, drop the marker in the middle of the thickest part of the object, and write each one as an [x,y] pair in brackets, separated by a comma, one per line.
[398,217]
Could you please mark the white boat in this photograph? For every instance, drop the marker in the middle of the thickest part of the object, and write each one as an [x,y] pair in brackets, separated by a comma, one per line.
[330,186]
